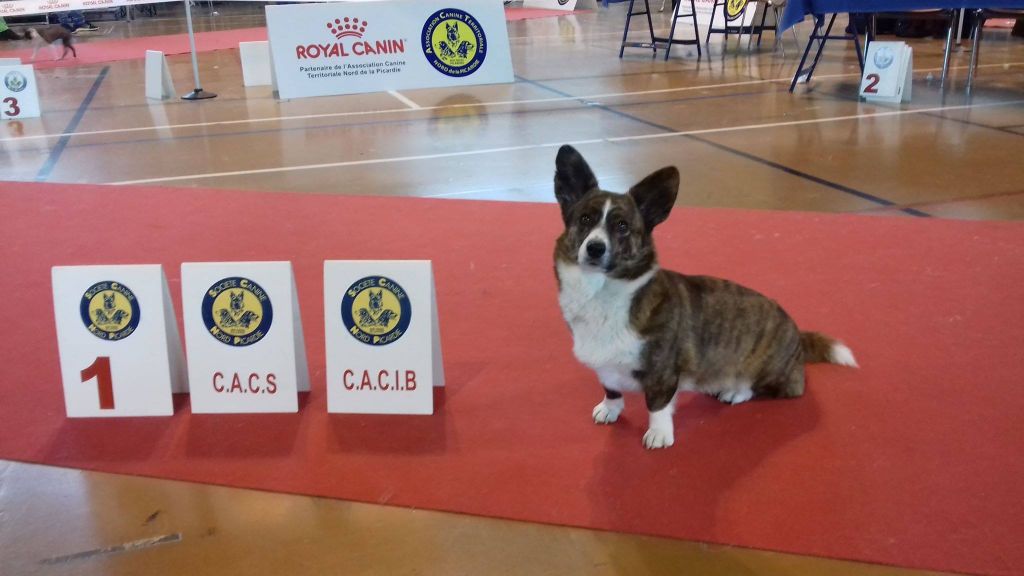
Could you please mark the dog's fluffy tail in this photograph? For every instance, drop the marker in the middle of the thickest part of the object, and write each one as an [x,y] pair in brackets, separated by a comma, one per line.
[820,348]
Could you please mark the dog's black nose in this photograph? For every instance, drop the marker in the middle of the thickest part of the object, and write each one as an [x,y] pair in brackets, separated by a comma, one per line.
[596,249]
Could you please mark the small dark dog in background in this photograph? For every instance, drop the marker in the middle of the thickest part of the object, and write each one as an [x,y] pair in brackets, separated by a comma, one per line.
[48,36]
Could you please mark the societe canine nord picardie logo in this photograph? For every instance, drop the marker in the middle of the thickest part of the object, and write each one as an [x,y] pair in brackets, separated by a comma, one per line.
[110,310]
[353,29]
[376,310]
[237,311]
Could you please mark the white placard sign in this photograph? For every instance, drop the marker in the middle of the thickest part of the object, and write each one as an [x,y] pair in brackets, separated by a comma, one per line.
[19,93]
[120,354]
[567,5]
[383,338]
[256,67]
[243,333]
[888,72]
[354,47]
[159,84]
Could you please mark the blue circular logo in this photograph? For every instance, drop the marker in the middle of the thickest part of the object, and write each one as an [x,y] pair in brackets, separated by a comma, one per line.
[884,58]
[376,310]
[110,310]
[237,311]
[454,42]
[15,81]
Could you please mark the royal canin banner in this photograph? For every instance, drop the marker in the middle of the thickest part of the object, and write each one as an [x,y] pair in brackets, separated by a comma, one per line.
[354,47]
[30,7]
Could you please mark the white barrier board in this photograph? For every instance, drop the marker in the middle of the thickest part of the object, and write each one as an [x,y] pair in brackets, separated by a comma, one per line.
[355,47]
[159,84]
[19,93]
[383,339]
[256,65]
[243,333]
[120,354]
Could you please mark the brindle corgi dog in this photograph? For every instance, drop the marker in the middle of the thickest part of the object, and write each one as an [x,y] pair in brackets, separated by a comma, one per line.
[658,332]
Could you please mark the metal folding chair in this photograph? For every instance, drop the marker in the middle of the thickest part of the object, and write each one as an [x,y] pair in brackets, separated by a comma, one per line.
[738,29]
[948,15]
[816,34]
[777,6]
[979,25]
[654,41]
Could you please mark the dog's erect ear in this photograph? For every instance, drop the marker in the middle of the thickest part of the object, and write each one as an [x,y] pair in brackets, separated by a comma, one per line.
[573,179]
[655,195]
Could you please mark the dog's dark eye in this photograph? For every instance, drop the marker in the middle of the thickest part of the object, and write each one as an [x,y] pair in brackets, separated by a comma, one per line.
[622,227]
[586,220]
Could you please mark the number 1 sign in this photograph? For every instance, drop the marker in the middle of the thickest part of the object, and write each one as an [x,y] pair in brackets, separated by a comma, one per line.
[120,354]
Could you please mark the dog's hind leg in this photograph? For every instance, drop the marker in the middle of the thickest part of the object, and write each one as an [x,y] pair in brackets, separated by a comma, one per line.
[736,392]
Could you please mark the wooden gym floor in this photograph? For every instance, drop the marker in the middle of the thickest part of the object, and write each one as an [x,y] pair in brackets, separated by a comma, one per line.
[728,122]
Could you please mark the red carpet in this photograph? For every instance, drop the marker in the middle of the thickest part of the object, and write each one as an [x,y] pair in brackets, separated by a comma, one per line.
[513,14]
[913,460]
[100,51]
[1000,23]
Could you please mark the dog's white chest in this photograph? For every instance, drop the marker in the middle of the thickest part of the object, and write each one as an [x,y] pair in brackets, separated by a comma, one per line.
[597,309]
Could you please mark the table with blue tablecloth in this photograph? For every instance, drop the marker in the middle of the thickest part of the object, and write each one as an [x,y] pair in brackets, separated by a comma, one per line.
[796,10]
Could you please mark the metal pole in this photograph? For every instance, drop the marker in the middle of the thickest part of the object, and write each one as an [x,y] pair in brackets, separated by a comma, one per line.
[960,27]
[198,93]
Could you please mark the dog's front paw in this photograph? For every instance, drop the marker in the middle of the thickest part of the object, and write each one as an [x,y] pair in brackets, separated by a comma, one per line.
[607,412]
[656,438]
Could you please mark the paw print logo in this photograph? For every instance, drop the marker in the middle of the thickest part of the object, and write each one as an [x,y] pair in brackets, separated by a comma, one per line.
[342,27]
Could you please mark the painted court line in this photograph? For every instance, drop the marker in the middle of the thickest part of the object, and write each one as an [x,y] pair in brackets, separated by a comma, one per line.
[120,548]
[886,114]
[51,161]
[404,100]
[585,36]
[454,106]
[404,120]
[930,203]
[730,150]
